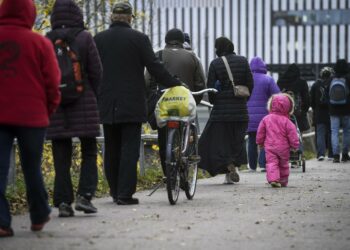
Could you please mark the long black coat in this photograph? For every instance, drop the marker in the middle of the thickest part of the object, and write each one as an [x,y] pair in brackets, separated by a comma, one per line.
[125,53]
[291,81]
[82,116]
[227,107]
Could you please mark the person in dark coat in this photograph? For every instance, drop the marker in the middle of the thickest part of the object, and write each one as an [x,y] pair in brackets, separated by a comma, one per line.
[125,53]
[182,64]
[264,88]
[29,94]
[291,82]
[78,119]
[340,115]
[321,119]
[222,144]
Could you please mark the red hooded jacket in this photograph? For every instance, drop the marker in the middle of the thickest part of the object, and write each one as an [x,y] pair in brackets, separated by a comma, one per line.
[29,72]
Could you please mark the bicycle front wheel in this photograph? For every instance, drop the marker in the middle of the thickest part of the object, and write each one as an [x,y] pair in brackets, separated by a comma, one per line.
[173,153]
[192,164]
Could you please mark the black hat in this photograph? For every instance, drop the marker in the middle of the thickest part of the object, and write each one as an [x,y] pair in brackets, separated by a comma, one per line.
[123,8]
[174,35]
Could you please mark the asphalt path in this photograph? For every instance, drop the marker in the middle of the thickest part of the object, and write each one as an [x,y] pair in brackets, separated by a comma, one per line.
[312,213]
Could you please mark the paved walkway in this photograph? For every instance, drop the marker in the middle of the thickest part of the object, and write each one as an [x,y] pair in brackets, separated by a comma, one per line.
[312,213]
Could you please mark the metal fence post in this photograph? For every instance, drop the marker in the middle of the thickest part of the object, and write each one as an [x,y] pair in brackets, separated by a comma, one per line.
[142,158]
[11,178]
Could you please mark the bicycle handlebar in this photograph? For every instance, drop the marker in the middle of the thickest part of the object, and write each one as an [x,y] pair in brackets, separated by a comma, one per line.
[204,91]
[199,92]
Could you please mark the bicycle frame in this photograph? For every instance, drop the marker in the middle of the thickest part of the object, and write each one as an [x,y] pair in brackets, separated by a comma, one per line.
[182,155]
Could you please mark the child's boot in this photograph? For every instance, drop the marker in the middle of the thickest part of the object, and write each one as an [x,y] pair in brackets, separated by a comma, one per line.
[275,184]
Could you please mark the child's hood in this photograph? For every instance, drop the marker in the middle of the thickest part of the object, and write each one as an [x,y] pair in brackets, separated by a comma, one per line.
[281,104]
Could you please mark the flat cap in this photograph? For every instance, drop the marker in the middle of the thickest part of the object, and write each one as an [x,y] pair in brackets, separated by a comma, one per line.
[122,8]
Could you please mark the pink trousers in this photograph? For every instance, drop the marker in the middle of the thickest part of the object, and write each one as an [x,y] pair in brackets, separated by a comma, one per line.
[277,166]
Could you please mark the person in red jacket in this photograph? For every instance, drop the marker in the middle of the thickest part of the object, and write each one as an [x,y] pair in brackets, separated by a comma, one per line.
[29,93]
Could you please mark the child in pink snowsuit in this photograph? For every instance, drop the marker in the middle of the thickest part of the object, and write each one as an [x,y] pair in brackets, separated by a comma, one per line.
[278,135]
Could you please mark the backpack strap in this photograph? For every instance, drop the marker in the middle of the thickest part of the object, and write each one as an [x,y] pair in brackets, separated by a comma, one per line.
[68,36]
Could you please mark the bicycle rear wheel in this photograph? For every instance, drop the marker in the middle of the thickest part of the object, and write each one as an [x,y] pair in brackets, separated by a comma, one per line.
[191,167]
[173,152]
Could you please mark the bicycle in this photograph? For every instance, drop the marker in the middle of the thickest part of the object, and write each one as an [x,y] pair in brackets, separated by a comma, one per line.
[182,156]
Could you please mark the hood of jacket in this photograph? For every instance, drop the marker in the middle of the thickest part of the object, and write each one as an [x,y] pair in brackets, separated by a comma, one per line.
[341,68]
[66,14]
[282,104]
[257,65]
[292,73]
[18,12]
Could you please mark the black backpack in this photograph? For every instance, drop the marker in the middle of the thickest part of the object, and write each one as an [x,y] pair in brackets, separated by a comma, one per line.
[72,84]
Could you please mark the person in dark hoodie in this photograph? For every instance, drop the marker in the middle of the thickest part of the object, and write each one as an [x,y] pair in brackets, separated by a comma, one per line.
[29,94]
[319,102]
[77,119]
[291,82]
[222,144]
[125,54]
[340,113]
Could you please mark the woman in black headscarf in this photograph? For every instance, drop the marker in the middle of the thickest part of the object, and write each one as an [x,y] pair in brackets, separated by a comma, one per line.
[222,145]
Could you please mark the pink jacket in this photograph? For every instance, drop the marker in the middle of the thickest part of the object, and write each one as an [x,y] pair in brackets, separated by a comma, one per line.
[276,131]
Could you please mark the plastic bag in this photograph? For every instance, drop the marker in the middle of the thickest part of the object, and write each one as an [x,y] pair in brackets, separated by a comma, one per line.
[176,103]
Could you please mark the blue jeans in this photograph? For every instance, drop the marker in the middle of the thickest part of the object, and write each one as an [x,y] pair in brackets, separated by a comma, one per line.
[335,125]
[30,142]
[323,140]
[253,152]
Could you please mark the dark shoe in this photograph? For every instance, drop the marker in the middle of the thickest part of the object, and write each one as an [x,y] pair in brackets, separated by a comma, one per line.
[65,210]
[83,204]
[228,179]
[336,158]
[40,226]
[345,158]
[263,170]
[6,232]
[234,176]
[127,201]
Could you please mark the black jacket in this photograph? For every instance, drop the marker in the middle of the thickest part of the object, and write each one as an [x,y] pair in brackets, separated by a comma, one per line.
[125,53]
[291,81]
[227,107]
[319,102]
[81,118]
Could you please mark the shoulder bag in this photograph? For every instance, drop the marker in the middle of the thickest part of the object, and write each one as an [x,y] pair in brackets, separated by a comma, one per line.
[240,91]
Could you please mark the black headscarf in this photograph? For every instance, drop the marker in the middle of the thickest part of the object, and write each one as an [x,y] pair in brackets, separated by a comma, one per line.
[341,67]
[223,46]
